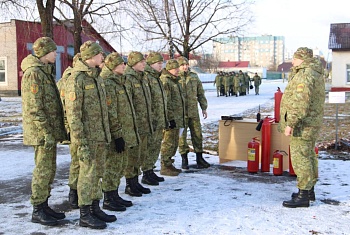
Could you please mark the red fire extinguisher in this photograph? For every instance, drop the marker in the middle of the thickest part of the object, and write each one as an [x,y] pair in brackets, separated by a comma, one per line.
[316,151]
[278,162]
[253,155]
[266,144]
[278,97]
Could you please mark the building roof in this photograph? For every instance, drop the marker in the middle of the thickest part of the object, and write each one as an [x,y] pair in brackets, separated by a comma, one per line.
[233,64]
[339,36]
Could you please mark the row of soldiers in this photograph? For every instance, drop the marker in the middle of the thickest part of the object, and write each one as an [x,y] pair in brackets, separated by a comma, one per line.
[236,84]
[117,119]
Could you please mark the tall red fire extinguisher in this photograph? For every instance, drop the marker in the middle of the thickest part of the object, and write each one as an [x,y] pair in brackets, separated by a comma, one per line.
[278,162]
[278,97]
[253,155]
[266,144]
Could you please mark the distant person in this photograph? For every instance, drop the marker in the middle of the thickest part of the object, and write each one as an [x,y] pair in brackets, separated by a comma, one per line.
[257,83]
[176,117]
[193,92]
[218,83]
[302,108]
[87,116]
[43,124]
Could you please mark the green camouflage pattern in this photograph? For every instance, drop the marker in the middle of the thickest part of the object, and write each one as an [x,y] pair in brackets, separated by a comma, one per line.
[257,83]
[218,83]
[136,157]
[42,109]
[154,145]
[236,84]
[154,57]
[169,146]
[175,99]
[74,167]
[302,107]
[43,46]
[43,173]
[193,93]
[135,57]
[89,49]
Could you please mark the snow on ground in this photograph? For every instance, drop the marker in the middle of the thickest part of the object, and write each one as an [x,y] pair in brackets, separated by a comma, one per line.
[223,199]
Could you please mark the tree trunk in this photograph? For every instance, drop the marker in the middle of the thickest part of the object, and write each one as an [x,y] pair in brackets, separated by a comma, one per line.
[46,16]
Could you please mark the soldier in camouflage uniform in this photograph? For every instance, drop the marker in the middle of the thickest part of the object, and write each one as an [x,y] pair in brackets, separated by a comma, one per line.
[176,117]
[247,82]
[74,164]
[87,115]
[122,122]
[301,118]
[241,83]
[159,117]
[218,83]
[193,93]
[43,124]
[257,83]
[236,84]
[226,82]
[141,99]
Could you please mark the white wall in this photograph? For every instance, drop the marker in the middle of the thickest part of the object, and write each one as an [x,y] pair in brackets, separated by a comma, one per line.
[339,62]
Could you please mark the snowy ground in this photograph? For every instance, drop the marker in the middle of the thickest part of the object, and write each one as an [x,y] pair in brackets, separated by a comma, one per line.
[223,199]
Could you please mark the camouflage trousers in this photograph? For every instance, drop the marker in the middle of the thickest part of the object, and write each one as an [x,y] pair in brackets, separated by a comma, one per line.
[136,157]
[74,167]
[227,90]
[169,146]
[115,165]
[154,144]
[43,173]
[304,162]
[218,88]
[92,164]
[195,127]
[256,90]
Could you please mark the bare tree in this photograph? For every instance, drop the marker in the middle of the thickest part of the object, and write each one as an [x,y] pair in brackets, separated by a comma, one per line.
[46,16]
[193,22]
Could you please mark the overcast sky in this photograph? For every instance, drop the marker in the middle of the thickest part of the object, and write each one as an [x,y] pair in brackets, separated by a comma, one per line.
[301,22]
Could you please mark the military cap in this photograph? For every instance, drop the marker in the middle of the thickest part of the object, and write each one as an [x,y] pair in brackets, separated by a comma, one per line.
[135,57]
[89,49]
[303,53]
[113,60]
[43,46]
[154,57]
[171,64]
[182,60]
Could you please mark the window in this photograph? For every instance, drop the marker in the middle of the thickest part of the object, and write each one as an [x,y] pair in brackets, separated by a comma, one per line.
[348,73]
[2,69]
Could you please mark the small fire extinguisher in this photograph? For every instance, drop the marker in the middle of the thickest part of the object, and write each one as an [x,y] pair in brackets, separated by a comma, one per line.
[253,155]
[278,162]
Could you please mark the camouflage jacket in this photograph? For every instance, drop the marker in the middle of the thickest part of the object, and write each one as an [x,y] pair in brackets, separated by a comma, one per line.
[61,87]
[193,93]
[86,108]
[218,80]
[141,98]
[257,80]
[303,100]
[159,102]
[41,106]
[121,113]
[236,81]
[175,99]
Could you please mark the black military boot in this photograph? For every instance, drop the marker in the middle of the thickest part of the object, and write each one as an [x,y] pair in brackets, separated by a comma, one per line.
[52,213]
[156,177]
[39,216]
[73,198]
[201,163]
[110,203]
[312,196]
[147,179]
[122,201]
[131,189]
[89,220]
[96,211]
[302,200]
[184,164]
[140,187]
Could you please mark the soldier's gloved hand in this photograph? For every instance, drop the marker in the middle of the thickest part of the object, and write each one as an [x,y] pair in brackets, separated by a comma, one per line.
[49,141]
[172,124]
[119,145]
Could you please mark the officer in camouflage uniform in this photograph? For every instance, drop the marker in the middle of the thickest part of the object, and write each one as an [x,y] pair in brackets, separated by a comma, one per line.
[301,118]
[74,164]
[87,115]
[43,124]
[257,83]
[176,117]
[122,122]
[218,83]
[141,99]
[159,117]
[193,93]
